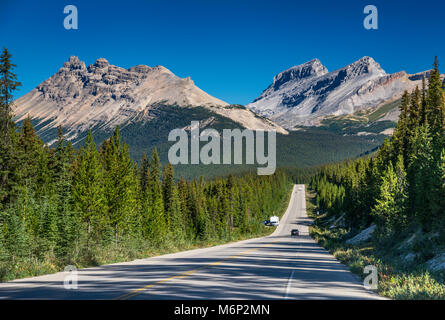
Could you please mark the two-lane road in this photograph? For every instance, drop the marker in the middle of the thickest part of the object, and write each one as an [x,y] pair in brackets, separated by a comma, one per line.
[274,267]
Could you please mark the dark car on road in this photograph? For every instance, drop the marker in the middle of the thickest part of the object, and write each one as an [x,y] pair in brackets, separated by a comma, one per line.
[295,232]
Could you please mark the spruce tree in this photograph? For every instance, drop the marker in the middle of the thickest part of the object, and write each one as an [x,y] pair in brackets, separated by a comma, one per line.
[184,198]
[423,113]
[421,175]
[143,172]
[120,185]
[435,101]
[63,175]
[157,223]
[415,110]
[146,207]
[168,184]
[17,237]
[155,164]
[35,160]
[9,157]
[88,186]
[400,137]
[177,225]
[8,84]
[390,205]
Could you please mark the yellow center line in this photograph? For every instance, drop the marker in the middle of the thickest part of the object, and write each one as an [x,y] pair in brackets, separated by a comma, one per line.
[136,292]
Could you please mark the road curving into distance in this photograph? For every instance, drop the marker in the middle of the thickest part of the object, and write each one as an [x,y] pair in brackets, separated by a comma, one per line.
[274,267]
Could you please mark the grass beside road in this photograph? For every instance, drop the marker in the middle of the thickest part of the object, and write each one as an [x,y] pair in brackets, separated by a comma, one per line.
[397,279]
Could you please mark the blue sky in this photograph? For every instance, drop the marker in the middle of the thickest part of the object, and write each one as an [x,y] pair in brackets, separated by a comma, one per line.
[231,49]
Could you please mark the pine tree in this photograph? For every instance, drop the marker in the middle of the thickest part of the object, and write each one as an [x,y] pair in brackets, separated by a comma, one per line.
[44,179]
[146,207]
[64,156]
[230,190]
[9,157]
[144,168]
[8,84]
[390,207]
[423,113]
[184,199]
[120,184]
[35,160]
[88,185]
[67,222]
[17,238]
[47,224]
[415,110]
[421,175]
[177,225]
[62,170]
[199,211]
[155,164]
[157,228]
[400,137]
[244,210]
[168,184]
[435,101]
[10,169]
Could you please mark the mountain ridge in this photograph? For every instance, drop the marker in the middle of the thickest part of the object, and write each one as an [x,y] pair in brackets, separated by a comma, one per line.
[78,93]
[306,100]
[78,97]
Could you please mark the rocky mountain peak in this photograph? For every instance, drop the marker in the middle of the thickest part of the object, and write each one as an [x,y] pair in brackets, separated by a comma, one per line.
[366,60]
[310,69]
[74,63]
[140,69]
[101,63]
[365,65]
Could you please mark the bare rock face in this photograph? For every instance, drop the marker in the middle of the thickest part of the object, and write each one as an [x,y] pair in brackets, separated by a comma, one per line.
[437,263]
[309,70]
[79,97]
[363,236]
[304,94]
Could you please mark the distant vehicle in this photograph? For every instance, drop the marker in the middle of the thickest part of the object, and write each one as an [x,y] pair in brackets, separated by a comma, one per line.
[274,221]
[295,233]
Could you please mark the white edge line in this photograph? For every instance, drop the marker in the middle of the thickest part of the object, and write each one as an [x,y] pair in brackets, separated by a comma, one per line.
[289,283]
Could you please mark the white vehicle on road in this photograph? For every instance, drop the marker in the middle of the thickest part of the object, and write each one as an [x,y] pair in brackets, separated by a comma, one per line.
[274,221]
